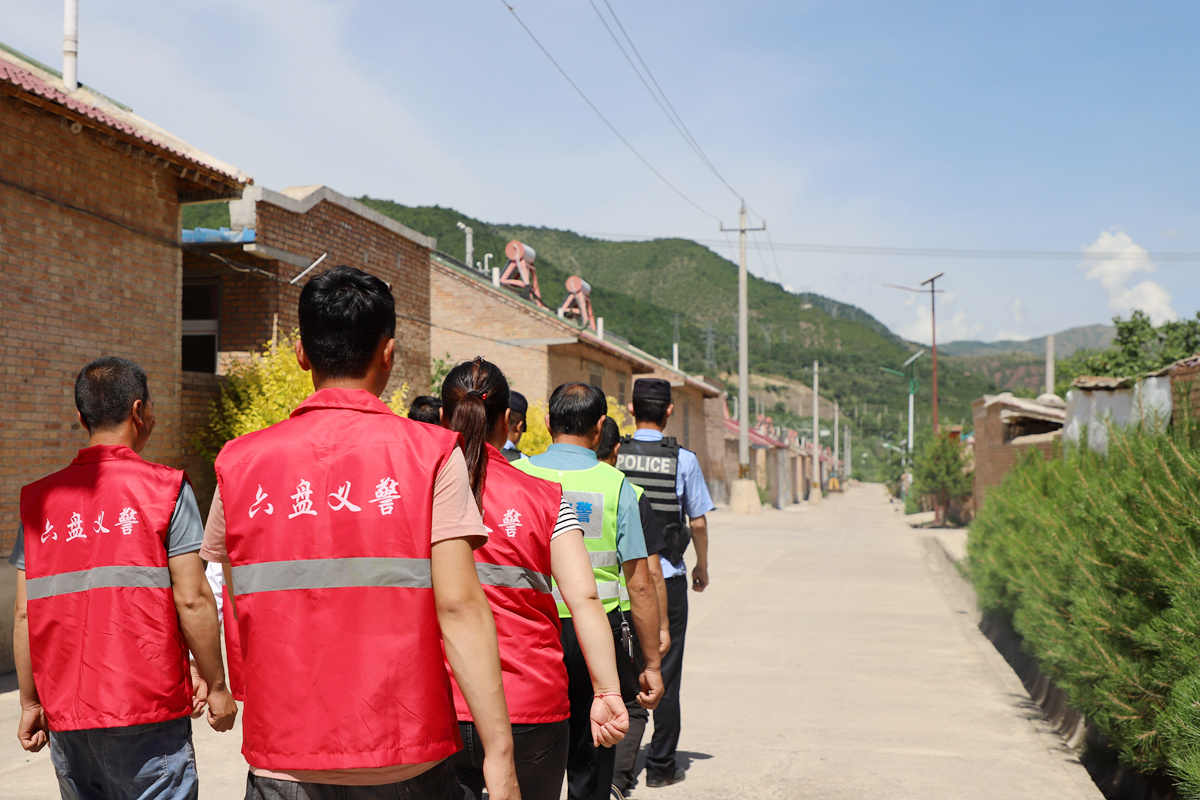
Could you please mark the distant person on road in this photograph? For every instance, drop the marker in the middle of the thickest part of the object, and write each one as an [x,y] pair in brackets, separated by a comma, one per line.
[426,408]
[349,532]
[535,534]
[518,407]
[111,595]
[671,476]
[608,514]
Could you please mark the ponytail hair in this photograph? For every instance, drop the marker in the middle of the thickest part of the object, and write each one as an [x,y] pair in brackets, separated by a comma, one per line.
[474,396]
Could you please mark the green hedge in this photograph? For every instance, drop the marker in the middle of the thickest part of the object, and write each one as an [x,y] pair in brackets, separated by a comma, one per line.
[1096,561]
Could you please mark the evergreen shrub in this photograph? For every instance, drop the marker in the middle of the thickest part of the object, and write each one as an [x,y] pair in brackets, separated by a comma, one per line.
[1096,561]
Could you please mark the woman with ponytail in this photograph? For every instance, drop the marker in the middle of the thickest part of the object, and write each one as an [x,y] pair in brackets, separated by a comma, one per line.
[533,534]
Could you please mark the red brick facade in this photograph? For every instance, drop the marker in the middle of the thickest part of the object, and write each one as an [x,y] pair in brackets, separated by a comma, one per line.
[995,454]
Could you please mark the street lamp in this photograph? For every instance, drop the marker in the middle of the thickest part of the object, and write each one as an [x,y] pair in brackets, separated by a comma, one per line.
[911,374]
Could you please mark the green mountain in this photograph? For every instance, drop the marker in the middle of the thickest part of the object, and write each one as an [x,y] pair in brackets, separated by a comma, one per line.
[1066,343]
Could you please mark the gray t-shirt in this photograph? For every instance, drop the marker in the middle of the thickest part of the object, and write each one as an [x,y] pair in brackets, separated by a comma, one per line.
[185,534]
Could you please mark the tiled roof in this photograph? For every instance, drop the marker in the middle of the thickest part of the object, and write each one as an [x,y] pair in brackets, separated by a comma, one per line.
[33,84]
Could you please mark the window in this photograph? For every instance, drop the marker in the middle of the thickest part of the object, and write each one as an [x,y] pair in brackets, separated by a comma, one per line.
[201,307]
[621,391]
[687,424]
[595,374]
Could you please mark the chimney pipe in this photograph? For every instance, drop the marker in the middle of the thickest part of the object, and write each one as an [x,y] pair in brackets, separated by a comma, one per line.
[71,44]
[1050,364]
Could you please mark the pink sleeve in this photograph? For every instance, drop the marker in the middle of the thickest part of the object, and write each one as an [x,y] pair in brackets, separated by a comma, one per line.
[455,514]
[213,549]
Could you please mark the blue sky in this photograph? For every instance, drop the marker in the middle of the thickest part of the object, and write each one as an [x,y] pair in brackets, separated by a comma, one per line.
[1064,127]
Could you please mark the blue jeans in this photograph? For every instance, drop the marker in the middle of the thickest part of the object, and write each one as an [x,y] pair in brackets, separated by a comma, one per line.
[138,762]
[540,753]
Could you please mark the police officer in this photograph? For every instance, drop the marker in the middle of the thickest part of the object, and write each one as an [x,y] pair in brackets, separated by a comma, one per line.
[518,407]
[673,481]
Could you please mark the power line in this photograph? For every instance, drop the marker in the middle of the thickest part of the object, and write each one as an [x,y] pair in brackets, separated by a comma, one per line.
[931,252]
[604,119]
[657,92]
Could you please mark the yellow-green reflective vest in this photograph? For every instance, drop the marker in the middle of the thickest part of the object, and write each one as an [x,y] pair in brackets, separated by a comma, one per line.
[593,493]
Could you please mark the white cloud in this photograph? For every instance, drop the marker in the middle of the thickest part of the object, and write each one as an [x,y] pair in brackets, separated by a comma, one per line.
[1115,262]
[951,327]
[1018,309]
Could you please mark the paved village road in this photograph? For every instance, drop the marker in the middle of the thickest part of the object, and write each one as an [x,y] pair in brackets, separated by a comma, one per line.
[827,660]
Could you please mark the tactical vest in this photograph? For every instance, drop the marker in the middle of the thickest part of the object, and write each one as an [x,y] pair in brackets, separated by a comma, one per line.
[328,517]
[594,493]
[104,635]
[511,454]
[654,467]
[514,569]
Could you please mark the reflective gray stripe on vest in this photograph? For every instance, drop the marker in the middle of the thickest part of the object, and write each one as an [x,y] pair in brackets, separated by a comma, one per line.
[603,558]
[331,573]
[511,577]
[122,577]
[646,483]
[605,590]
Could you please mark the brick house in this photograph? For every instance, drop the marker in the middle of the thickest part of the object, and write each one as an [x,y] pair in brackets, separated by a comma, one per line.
[237,294]
[537,350]
[90,198]
[1006,428]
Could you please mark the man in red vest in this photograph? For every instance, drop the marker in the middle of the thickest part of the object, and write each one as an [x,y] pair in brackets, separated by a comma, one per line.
[348,533]
[111,594]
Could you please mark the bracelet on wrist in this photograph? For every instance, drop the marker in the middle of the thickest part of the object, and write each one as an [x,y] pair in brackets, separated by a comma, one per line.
[607,694]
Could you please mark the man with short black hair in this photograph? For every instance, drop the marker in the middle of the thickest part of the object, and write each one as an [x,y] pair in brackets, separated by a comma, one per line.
[672,479]
[427,409]
[111,594]
[348,532]
[608,514]
[518,407]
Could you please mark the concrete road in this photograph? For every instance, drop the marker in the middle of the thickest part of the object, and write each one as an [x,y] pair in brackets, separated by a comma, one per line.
[829,659]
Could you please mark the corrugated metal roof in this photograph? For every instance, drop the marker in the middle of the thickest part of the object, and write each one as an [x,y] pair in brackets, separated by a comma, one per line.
[116,119]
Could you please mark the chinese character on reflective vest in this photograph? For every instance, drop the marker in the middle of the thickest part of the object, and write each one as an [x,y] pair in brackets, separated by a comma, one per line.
[49,533]
[75,527]
[255,507]
[584,510]
[98,525]
[511,521]
[386,495]
[342,496]
[303,498]
[127,520]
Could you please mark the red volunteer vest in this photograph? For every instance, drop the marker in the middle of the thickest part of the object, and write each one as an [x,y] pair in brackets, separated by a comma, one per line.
[328,517]
[104,637]
[233,648]
[514,568]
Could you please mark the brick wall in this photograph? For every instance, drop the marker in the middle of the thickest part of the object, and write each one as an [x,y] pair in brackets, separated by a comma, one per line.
[80,287]
[993,456]
[196,393]
[352,240]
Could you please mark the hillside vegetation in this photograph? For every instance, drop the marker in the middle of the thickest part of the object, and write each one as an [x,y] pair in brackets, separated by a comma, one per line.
[640,288]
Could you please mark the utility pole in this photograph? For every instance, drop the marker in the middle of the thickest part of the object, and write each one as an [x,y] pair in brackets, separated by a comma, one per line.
[675,344]
[836,449]
[710,351]
[815,494]
[932,282]
[743,350]
[849,456]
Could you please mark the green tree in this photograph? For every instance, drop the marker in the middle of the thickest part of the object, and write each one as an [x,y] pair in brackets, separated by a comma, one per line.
[940,472]
[1139,347]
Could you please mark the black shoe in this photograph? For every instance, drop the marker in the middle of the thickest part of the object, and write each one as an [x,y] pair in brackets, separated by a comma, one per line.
[657,780]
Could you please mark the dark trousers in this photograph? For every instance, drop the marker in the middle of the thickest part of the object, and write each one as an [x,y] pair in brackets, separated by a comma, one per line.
[625,768]
[436,783]
[660,759]
[540,753]
[152,760]
[589,768]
